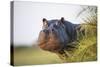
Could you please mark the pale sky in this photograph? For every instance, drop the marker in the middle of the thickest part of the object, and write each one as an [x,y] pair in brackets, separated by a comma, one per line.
[28,18]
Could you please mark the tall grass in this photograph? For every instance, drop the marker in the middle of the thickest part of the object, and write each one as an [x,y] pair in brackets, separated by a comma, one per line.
[87,45]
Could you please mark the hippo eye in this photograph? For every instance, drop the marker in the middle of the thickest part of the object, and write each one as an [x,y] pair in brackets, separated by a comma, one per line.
[55,26]
[59,22]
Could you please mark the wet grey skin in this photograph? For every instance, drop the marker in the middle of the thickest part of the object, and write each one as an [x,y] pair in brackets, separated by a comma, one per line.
[56,34]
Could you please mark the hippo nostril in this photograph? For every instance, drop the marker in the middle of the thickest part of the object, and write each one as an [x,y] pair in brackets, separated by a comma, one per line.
[45,31]
[52,29]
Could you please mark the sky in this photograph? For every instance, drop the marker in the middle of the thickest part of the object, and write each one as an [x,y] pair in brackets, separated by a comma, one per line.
[28,18]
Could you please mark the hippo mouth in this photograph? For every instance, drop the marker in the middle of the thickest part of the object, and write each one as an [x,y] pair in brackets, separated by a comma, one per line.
[49,40]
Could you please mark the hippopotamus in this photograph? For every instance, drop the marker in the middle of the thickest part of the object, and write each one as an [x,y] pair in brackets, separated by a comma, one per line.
[56,34]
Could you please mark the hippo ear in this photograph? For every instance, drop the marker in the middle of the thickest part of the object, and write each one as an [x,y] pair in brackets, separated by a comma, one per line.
[62,19]
[45,22]
[44,19]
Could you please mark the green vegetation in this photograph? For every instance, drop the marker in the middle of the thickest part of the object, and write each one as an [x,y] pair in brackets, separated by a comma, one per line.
[86,51]
[34,55]
[87,45]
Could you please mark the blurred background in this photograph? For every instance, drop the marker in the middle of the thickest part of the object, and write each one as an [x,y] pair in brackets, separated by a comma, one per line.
[28,18]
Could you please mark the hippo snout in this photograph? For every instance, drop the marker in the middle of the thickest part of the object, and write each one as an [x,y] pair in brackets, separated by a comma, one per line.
[46,31]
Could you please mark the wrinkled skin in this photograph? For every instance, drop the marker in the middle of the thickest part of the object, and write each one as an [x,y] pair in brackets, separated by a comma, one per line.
[56,34]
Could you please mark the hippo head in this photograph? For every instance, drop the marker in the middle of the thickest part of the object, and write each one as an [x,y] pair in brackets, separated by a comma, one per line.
[53,36]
